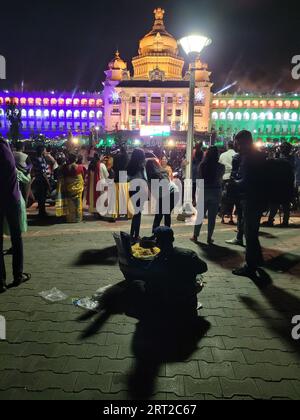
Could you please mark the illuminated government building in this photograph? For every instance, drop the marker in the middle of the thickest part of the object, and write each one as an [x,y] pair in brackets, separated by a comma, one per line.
[151,103]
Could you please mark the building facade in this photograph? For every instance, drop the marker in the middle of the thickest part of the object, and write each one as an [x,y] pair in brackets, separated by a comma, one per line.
[53,114]
[153,100]
[268,117]
[157,93]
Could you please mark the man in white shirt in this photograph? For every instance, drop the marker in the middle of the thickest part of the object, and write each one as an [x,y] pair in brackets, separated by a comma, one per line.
[226,160]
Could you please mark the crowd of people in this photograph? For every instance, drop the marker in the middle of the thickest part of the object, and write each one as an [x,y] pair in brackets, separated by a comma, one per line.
[242,181]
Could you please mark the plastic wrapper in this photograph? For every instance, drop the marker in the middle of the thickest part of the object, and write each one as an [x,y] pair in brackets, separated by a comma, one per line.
[53,295]
[86,303]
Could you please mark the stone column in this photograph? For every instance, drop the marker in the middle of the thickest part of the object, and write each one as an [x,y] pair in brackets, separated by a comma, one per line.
[127,113]
[148,109]
[123,111]
[184,120]
[162,112]
[138,119]
[174,111]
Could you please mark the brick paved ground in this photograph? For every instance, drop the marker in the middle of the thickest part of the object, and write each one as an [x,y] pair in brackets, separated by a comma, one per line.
[246,353]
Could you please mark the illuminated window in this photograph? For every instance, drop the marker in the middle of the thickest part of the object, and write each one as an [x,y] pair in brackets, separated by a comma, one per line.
[286,116]
[84,102]
[30,101]
[31,113]
[270,116]
[99,115]
[1,100]
[46,101]
[53,113]
[38,113]
[84,114]
[262,116]
[222,116]
[92,102]
[76,114]
[238,116]
[76,102]
[246,116]
[91,115]
[69,114]
[61,102]
[23,113]
[254,116]
[61,114]
[46,113]
[68,101]
[53,101]
[214,115]
[278,116]
[99,102]
[230,116]
[294,116]
[38,101]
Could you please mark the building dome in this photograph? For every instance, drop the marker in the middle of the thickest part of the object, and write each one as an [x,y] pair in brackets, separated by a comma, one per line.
[158,53]
[158,40]
[117,63]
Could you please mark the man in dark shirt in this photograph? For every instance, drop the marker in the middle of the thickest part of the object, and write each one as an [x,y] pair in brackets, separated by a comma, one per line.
[10,209]
[251,190]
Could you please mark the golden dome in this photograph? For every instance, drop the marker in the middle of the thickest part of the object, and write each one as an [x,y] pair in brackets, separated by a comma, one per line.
[117,63]
[158,40]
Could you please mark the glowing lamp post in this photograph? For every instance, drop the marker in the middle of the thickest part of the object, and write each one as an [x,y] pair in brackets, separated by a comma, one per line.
[192,45]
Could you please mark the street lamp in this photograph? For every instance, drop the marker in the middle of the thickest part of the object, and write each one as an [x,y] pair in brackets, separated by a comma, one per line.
[192,46]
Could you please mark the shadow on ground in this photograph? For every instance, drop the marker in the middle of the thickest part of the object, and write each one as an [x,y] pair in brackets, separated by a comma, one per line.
[105,256]
[35,220]
[224,256]
[267,235]
[158,338]
[287,306]
[280,262]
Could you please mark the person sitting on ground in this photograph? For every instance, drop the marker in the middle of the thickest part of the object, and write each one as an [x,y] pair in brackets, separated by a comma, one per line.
[173,273]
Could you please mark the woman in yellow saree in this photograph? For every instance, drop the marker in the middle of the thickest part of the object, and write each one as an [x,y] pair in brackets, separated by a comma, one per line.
[69,191]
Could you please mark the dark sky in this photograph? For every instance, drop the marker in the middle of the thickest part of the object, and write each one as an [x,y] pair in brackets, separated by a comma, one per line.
[63,44]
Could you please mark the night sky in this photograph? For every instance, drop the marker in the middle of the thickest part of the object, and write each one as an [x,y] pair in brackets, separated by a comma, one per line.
[66,45]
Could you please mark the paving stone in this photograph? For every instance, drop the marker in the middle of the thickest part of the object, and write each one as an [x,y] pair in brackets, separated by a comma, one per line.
[209,370]
[246,354]
[235,355]
[107,365]
[232,388]
[189,368]
[195,387]
[283,389]
[101,382]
